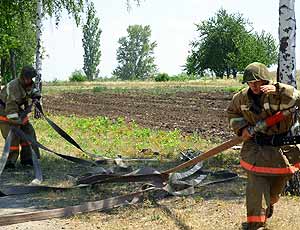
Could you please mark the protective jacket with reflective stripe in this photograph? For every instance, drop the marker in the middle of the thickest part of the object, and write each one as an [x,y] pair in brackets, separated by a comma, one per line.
[13,98]
[247,109]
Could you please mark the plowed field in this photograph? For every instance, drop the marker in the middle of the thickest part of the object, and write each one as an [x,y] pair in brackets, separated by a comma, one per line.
[203,113]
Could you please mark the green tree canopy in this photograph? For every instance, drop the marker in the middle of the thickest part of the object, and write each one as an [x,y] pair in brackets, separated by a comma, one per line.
[135,54]
[91,44]
[226,44]
[17,30]
[17,39]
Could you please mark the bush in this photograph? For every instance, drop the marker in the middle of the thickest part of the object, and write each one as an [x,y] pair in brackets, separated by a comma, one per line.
[98,89]
[77,76]
[183,77]
[162,77]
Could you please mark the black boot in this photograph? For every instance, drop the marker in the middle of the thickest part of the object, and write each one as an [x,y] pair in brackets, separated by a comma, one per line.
[10,165]
[269,211]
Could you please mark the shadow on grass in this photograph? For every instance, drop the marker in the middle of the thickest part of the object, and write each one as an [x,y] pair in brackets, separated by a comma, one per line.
[179,222]
[58,173]
[61,173]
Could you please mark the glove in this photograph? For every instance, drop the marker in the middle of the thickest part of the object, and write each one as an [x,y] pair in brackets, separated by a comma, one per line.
[35,94]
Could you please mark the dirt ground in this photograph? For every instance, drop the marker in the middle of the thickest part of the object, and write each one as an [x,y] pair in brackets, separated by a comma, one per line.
[204,113]
[219,206]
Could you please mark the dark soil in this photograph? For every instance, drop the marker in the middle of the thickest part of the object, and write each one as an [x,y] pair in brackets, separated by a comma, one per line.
[220,206]
[203,113]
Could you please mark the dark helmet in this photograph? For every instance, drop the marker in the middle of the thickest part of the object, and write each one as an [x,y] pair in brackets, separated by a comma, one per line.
[26,77]
[256,71]
[28,72]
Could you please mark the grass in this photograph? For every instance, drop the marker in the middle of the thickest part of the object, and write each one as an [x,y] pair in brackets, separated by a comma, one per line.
[218,206]
[205,85]
[111,138]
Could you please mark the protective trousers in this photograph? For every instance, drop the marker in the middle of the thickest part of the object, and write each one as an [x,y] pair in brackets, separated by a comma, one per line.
[25,154]
[261,193]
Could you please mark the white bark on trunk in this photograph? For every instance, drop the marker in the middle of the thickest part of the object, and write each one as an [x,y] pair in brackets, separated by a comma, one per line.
[287,39]
[38,54]
[287,58]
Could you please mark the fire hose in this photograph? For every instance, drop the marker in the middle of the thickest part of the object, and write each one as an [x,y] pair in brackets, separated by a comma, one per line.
[157,181]
[260,126]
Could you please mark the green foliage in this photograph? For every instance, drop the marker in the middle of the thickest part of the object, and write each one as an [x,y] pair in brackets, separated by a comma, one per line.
[257,47]
[179,77]
[233,89]
[91,44]
[183,77]
[208,84]
[53,8]
[112,137]
[135,54]
[162,77]
[98,89]
[17,40]
[77,76]
[225,46]
[17,30]
[128,3]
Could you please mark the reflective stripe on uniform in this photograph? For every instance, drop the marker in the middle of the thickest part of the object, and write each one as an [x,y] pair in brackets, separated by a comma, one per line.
[244,107]
[236,119]
[267,106]
[12,115]
[7,89]
[269,170]
[3,118]
[260,219]
[14,148]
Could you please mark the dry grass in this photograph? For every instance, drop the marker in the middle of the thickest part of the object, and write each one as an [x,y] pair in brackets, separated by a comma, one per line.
[204,84]
[219,207]
[52,88]
[213,207]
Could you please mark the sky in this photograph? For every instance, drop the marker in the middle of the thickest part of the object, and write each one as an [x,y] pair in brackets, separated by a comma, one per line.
[173,28]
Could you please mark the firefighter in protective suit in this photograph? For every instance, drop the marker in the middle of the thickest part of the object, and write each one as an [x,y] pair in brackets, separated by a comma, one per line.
[268,167]
[14,100]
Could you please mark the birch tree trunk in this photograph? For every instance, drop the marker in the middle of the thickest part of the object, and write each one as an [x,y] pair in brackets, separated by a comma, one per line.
[38,54]
[287,38]
[286,72]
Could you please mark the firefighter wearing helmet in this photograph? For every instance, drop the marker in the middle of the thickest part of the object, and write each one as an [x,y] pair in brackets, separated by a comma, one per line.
[15,98]
[268,167]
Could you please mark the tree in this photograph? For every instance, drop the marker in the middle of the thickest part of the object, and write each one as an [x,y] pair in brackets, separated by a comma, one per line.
[217,44]
[38,53]
[128,3]
[256,47]
[91,44]
[286,72]
[226,45]
[17,41]
[20,17]
[135,54]
[31,12]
